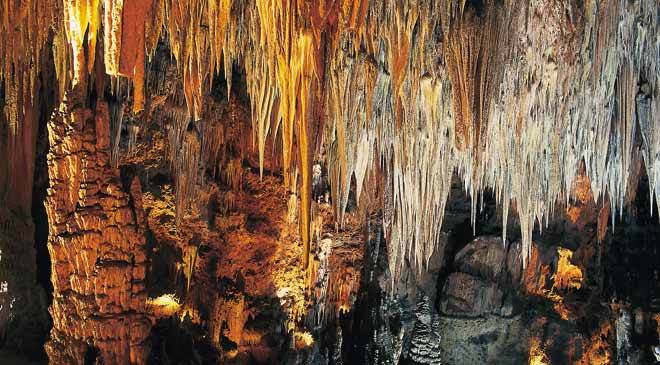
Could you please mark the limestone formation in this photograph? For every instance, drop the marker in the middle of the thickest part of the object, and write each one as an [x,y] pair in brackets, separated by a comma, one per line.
[283,166]
[96,243]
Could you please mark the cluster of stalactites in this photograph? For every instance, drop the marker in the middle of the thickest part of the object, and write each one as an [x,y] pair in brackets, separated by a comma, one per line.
[285,72]
[121,33]
[126,34]
[572,95]
[494,108]
[512,96]
[389,110]
[24,32]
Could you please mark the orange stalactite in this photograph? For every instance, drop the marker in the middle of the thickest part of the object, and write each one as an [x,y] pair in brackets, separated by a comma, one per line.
[154,26]
[132,55]
[304,146]
[285,65]
[24,33]
[219,12]
[82,22]
[123,41]
[297,65]
[189,46]
[471,49]
[112,35]
[400,41]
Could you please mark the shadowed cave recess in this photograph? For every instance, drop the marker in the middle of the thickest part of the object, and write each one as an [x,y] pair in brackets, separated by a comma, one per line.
[329,182]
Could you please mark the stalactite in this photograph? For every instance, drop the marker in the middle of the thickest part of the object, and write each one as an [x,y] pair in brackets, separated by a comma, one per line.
[471,52]
[186,169]
[214,138]
[125,38]
[349,144]
[133,131]
[188,45]
[645,50]
[112,35]
[295,67]
[303,127]
[24,33]
[416,90]
[81,26]
[218,20]
[62,60]
[233,174]
[116,121]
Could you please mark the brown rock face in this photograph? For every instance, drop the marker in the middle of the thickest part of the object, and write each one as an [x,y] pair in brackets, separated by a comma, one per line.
[488,258]
[96,244]
[488,274]
[470,296]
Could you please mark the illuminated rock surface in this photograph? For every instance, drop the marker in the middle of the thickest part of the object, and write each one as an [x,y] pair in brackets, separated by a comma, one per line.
[96,244]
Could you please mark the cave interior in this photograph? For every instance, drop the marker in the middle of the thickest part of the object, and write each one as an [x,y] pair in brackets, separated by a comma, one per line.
[329,182]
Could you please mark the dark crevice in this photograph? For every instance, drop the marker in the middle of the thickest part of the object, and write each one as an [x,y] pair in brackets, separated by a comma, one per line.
[39,331]
[91,355]
[39,216]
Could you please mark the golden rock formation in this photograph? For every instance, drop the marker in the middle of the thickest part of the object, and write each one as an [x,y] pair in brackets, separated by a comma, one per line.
[567,275]
[598,350]
[96,244]
[536,354]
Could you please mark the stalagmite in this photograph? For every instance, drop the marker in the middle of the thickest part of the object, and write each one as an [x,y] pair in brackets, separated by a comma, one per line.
[96,244]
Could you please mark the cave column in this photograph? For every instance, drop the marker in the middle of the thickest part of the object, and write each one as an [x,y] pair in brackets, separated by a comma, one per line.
[96,242]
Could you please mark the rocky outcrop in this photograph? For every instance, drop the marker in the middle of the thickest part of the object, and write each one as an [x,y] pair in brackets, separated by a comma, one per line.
[96,243]
[470,296]
[489,258]
[487,275]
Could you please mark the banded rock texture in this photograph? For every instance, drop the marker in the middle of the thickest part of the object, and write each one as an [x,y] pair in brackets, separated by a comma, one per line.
[96,243]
